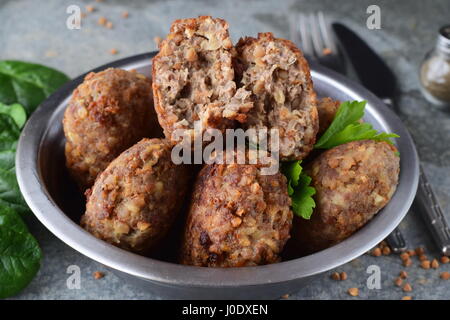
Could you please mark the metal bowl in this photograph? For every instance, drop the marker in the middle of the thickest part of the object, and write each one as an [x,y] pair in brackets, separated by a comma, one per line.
[53,198]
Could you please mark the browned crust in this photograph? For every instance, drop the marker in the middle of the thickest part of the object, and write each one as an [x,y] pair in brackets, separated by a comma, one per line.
[353,182]
[327,109]
[134,202]
[237,217]
[192,23]
[109,112]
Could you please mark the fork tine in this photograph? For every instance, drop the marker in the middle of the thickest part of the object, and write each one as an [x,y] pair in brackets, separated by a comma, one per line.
[316,35]
[327,36]
[305,35]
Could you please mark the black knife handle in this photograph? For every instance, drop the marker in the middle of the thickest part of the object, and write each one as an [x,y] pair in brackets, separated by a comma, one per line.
[396,241]
[432,214]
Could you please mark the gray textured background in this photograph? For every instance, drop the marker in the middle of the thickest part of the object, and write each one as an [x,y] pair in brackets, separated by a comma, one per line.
[35,31]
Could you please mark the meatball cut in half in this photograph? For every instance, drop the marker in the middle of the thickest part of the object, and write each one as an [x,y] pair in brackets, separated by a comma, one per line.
[193,78]
[277,74]
[353,182]
[134,202]
[238,217]
[327,109]
[108,113]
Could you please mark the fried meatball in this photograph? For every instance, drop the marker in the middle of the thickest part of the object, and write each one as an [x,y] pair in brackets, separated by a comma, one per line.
[327,109]
[278,75]
[238,217]
[193,78]
[134,202]
[108,113]
[353,182]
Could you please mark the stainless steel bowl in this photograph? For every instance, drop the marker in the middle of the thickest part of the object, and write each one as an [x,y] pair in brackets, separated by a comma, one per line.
[58,205]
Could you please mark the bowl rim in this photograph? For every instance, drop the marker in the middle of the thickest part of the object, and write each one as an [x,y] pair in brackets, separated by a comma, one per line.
[51,216]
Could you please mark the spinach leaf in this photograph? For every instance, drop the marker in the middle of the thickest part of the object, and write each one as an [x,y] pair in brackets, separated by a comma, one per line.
[15,111]
[10,219]
[28,83]
[20,254]
[10,194]
[23,86]
[9,133]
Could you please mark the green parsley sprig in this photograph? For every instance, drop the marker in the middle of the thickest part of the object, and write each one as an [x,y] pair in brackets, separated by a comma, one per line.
[346,127]
[299,189]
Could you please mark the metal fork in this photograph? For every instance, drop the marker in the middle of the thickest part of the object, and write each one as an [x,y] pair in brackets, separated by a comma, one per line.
[313,35]
[316,40]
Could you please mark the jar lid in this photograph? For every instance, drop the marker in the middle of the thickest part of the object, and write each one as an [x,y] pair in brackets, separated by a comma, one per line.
[443,42]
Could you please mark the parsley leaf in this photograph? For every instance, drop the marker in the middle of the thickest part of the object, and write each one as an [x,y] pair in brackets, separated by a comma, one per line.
[299,189]
[346,127]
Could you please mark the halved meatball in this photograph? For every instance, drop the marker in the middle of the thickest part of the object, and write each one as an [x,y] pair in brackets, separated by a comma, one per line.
[353,182]
[134,202]
[238,217]
[278,75]
[193,79]
[108,113]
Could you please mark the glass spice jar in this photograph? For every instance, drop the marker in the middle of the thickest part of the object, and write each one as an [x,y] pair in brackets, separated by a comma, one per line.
[435,71]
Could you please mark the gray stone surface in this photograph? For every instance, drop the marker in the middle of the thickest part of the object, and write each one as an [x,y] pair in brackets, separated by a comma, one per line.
[35,31]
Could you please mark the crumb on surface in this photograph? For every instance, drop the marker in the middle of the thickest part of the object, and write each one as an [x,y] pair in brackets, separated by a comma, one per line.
[422,257]
[425,264]
[376,252]
[98,275]
[285,296]
[102,21]
[407,287]
[354,292]
[407,263]
[90,8]
[125,14]
[407,298]
[335,276]
[420,251]
[411,253]
[445,275]
[326,51]
[404,256]
[434,264]
[113,51]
